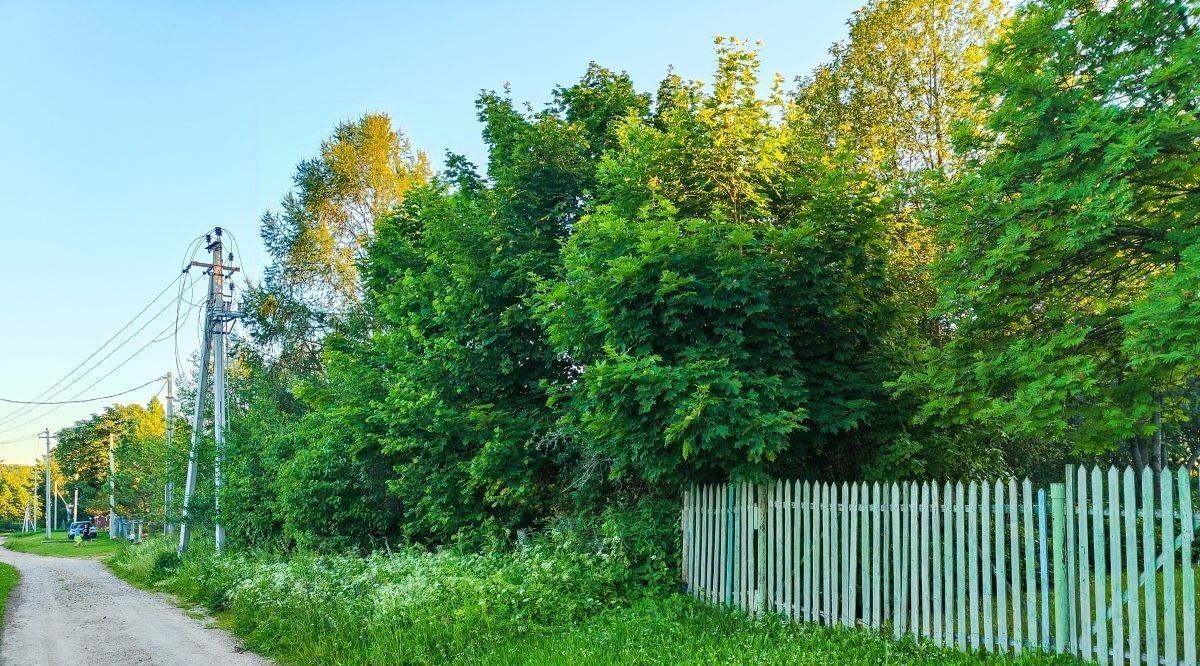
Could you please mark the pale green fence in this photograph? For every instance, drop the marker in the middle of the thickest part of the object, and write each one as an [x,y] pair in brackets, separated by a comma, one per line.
[1102,566]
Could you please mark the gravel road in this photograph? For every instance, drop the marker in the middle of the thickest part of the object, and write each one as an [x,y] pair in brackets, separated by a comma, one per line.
[63,606]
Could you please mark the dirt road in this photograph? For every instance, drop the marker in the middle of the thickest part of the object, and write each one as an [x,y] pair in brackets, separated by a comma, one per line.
[63,607]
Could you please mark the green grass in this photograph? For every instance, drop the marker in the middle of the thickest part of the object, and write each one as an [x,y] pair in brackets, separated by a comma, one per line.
[8,580]
[679,630]
[59,546]
[538,606]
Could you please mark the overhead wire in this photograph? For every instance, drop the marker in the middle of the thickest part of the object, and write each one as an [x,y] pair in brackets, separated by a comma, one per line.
[189,256]
[94,399]
[26,407]
[54,408]
[22,410]
[93,367]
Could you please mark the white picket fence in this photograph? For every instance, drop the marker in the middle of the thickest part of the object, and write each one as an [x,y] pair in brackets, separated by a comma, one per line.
[1102,566]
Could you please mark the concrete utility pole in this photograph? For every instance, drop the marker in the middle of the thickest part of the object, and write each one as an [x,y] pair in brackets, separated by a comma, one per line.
[49,508]
[168,486]
[216,317]
[112,488]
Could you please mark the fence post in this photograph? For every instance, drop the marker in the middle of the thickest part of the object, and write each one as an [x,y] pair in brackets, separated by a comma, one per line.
[730,546]
[1062,603]
[686,538]
[761,569]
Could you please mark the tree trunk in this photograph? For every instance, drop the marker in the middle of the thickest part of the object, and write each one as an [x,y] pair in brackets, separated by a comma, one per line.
[1139,454]
[1158,442]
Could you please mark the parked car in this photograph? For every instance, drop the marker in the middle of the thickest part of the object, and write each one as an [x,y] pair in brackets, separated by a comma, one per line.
[83,528]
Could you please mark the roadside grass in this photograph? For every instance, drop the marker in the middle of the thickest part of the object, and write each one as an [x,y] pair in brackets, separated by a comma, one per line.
[8,580]
[680,630]
[540,605]
[60,546]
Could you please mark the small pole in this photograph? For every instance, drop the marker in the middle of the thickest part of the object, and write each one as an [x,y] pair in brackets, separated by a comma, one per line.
[112,488]
[1062,602]
[49,509]
[730,530]
[167,485]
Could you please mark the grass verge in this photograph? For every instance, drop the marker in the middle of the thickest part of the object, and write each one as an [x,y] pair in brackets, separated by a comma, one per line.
[545,604]
[60,546]
[8,580]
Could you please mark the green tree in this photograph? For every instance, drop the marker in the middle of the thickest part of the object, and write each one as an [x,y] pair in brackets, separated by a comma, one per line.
[1070,285]
[16,490]
[725,304]
[139,436]
[891,95]
[321,234]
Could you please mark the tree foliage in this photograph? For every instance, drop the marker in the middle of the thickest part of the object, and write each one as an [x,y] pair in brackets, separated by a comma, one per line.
[139,438]
[725,301]
[1073,232]
[321,234]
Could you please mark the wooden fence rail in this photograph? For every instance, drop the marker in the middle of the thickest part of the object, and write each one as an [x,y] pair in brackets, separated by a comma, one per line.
[1103,566]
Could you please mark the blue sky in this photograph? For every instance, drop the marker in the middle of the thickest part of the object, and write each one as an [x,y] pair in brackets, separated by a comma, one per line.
[127,130]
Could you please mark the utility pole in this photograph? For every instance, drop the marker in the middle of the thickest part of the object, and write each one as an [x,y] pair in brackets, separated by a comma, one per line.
[49,508]
[75,507]
[216,317]
[168,486]
[33,503]
[56,496]
[112,488]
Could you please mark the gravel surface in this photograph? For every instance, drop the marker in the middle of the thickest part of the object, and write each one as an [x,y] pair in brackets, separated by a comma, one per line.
[74,611]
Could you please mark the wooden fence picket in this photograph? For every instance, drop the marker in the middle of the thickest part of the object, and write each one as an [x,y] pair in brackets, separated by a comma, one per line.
[864,560]
[960,565]
[1001,570]
[1072,558]
[877,548]
[1015,560]
[1132,590]
[1085,587]
[828,498]
[897,578]
[925,589]
[1187,525]
[797,550]
[852,565]
[1031,623]
[1044,570]
[949,606]
[1115,572]
[1170,644]
[1101,586]
[1150,575]
[987,567]
[910,549]
[973,561]
[809,551]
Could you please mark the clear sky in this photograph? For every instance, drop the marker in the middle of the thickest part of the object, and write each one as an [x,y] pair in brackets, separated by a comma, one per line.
[127,129]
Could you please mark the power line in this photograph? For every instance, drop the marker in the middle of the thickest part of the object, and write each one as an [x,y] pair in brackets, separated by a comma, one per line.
[189,256]
[19,439]
[27,408]
[73,402]
[54,408]
[24,410]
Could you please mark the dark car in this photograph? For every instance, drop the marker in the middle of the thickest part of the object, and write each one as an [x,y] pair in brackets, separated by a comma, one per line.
[83,528]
